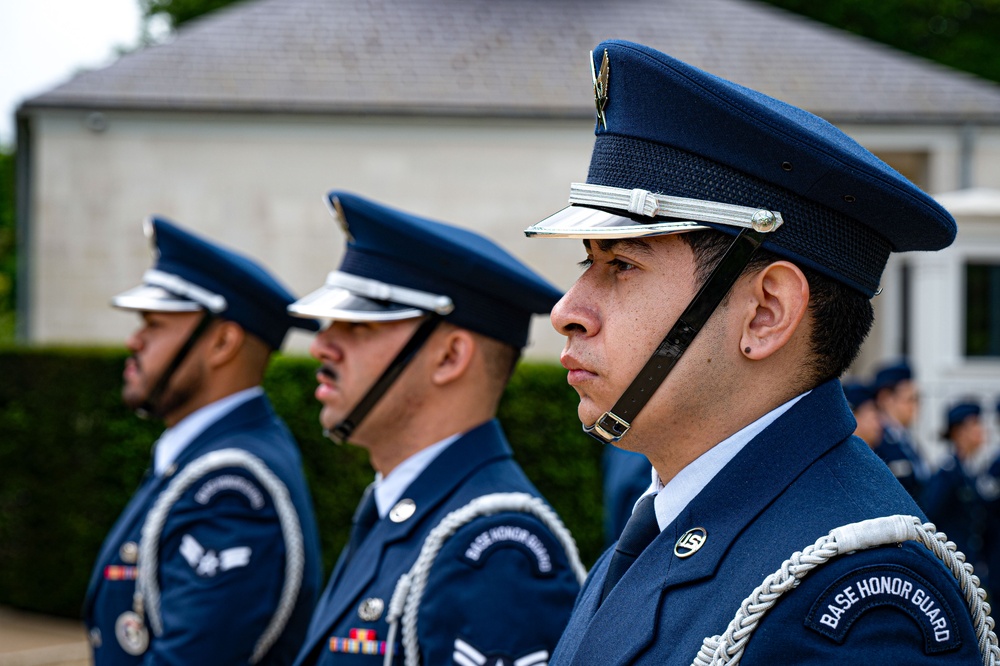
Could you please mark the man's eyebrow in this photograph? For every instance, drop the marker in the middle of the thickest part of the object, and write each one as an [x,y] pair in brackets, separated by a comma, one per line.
[637,245]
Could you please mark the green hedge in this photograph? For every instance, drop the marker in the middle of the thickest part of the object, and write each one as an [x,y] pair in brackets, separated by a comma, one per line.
[71,455]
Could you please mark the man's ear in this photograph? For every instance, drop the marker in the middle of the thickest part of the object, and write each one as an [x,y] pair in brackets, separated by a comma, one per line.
[225,340]
[453,354]
[779,299]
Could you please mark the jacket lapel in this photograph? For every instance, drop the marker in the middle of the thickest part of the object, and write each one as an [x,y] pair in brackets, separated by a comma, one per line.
[751,481]
[244,414]
[429,491]
[126,523]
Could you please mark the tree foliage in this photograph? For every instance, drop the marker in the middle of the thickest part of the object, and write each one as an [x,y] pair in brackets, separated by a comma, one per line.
[179,12]
[8,249]
[962,34]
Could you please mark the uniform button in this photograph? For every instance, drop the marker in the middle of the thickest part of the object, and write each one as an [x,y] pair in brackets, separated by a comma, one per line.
[371,609]
[129,552]
[94,636]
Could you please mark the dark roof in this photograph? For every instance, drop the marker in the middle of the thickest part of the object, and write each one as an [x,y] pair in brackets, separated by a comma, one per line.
[509,57]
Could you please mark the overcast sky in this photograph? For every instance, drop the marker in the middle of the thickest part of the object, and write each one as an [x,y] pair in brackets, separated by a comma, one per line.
[43,42]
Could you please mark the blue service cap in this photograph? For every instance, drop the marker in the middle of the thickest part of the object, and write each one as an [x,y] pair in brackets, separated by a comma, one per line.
[888,376]
[679,149]
[400,266]
[959,412]
[192,274]
[857,393]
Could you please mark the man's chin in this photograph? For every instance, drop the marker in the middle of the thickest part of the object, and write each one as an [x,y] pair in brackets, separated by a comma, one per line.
[132,399]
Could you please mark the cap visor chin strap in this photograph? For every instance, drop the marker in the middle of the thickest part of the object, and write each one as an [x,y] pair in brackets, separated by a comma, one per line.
[148,408]
[613,425]
[343,430]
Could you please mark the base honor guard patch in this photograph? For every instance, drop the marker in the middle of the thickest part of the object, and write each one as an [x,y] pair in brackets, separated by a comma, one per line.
[885,586]
[360,641]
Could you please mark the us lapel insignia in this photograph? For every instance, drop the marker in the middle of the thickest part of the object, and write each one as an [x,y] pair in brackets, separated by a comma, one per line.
[601,87]
[690,542]
[403,510]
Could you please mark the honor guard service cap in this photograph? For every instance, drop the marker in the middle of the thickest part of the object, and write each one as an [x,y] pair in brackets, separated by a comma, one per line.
[679,149]
[959,412]
[400,266]
[191,273]
[889,376]
[857,393]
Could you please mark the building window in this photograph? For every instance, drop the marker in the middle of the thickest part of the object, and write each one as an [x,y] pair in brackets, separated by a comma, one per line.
[982,309]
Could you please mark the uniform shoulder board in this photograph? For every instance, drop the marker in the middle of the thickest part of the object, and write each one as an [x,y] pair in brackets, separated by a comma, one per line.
[147,585]
[873,585]
[405,604]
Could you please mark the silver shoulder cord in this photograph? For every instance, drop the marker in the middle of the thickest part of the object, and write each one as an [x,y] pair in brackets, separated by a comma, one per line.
[147,589]
[404,606]
[728,648]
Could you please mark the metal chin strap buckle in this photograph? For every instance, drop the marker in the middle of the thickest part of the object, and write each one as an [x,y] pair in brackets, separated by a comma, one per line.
[609,428]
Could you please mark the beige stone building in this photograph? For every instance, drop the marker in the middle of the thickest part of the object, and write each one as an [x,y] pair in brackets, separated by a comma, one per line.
[475,112]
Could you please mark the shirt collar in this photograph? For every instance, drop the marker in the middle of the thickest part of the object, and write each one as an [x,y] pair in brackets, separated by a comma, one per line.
[389,489]
[174,440]
[685,486]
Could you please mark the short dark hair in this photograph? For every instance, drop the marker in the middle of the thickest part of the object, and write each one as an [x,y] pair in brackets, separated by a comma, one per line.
[842,316]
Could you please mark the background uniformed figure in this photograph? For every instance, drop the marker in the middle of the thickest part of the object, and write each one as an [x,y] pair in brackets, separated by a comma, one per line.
[626,476]
[220,537]
[861,400]
[952,497]
[898,399]
[732,245]
[426,324]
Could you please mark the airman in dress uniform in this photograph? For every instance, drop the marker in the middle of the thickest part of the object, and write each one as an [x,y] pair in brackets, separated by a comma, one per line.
[952,497]
[453,556]
[897,399]
[861,400]
[732,245]
[216,559]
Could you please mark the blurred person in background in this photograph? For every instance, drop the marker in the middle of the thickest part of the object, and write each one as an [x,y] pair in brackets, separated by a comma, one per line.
[626,476]
[861,399]
[426,322]
[952,499]
[216,558]
[897,399]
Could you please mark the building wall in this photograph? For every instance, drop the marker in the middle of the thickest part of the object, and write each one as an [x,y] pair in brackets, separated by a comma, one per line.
[256,183]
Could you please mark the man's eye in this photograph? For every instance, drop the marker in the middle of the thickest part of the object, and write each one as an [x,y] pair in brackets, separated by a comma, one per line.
[586,263]
[621,266]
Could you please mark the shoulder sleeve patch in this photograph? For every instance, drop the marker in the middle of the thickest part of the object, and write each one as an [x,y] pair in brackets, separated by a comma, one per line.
[510,535]
[846,600]
[232,483]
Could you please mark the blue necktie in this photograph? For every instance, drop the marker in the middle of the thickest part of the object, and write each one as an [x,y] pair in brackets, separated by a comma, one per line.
[639,532]
[364,519]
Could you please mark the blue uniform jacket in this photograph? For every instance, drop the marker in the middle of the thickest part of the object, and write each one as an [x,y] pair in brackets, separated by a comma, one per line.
[221,556]
[501,586]
[897,451]
[801,477]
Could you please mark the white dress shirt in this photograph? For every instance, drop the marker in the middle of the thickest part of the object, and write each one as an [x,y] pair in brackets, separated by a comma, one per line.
[389,489]
[174,440]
